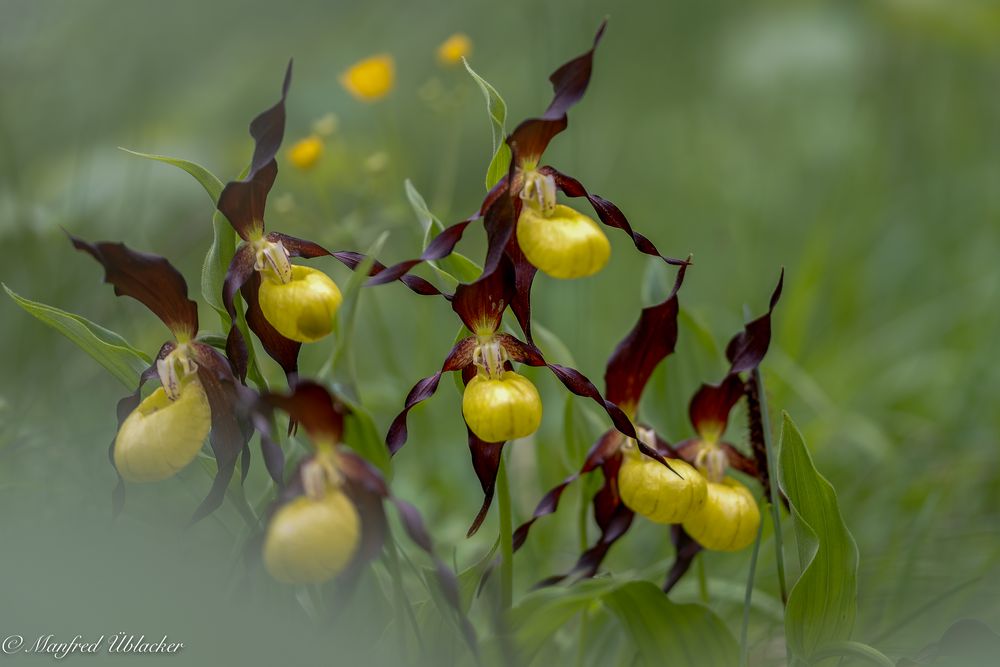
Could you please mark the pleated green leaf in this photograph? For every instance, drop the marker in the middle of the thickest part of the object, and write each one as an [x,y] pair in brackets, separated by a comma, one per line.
[496,108]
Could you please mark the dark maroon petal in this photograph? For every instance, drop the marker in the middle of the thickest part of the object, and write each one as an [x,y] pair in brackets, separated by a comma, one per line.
[459,358]
[524,275]
[239,272]
[283,350]
[499,222]
[519,351]
[149,279]
[302,248]
[740,461]
[569,83]
[362,473]
[711,404]
[243,202]
[687,549]
[440,247]
[229,432]
[650,341]
[311,405]
[261,417]
[746,350]
[480,304]
[604,448]
[414,526]
[124,408]
[486,461]
[617,521]
[609,214]
[374,529]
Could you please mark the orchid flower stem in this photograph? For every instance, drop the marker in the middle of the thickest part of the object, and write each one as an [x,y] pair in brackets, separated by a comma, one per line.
[745,628]
[506,538]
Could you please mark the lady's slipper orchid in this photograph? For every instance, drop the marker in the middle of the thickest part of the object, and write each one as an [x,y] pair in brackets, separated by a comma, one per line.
[498,404]
[330,521]
[287,304]
[537,232]
[711,507]
[197,397]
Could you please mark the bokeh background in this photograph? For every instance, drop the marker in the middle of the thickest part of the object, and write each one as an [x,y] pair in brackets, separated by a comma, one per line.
[855,144]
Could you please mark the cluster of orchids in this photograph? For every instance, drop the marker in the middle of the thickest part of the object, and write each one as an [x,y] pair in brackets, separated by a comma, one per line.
[329,519]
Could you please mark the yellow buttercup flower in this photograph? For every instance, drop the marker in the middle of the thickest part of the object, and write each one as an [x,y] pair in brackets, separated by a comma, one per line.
[370,79]
[305,153]
[453,49]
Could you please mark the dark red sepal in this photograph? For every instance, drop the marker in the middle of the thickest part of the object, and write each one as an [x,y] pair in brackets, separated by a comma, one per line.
[486,461]
[481,304]
[311,405]
[243,202]
[651,340]
[609,214]
[524,275]
[711,404]
[569,82]
[230,428]
[149,279]
[124,408]
[458,358]
[747,349]
[686,550]
[239,272]
[605,447]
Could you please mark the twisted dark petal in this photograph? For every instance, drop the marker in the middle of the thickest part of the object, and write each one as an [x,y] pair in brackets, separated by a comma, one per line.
[480,304]
[261,417]
[687,549]
[711,404]
[444,243]
[124,408]
[239,272]
[283,350]
[578,383]
[149,279]
[740,461]
[747,349]
[486,461]
[311,405]
[499,222]
[530,139]
[414,526]
[229,432]
[459,358]
[374,529]
[614,518]
[609,214]
[297,247]
[605,447]
[651,340]
[243,202]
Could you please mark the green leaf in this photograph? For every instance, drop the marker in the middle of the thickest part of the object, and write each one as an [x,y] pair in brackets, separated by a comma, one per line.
[541,613]
[672,634]
[496,108]
[454,268]
[822,604]
[363,435]
[208,180]
[216,264]
[106,347]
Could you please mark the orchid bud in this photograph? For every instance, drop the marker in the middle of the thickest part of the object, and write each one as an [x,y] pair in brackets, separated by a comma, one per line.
[501,408]
[649,488]
[728,520]
[311,540]
[303,308]
[563,243]
[161,435]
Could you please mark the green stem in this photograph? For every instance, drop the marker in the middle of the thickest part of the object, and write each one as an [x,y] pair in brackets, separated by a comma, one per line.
[772,472]
[745,628]
[506,538]
[398,591]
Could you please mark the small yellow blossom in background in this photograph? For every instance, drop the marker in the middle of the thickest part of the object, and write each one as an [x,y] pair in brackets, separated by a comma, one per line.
[326,124]
[307,152]
[453,49]
[377,162]
[370,79]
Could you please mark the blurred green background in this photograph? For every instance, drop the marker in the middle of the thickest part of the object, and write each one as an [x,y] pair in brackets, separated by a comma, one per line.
[855,144]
